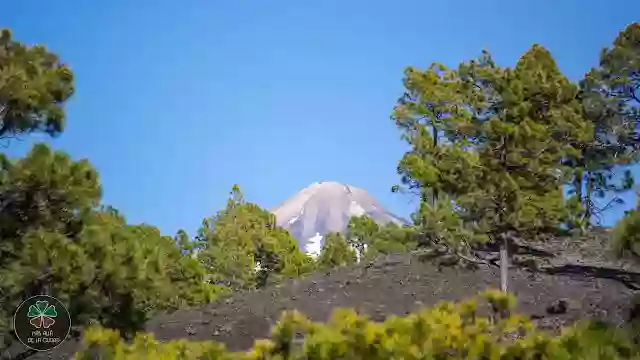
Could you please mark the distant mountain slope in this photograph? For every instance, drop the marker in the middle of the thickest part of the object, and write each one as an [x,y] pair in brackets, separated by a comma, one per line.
[327,207]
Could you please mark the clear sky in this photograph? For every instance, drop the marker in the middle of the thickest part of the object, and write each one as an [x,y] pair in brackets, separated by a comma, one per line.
[178,100]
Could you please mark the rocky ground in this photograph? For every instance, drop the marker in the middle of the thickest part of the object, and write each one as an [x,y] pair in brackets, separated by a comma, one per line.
[399,284]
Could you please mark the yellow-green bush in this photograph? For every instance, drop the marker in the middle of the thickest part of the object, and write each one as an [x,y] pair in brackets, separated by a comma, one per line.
[464,330]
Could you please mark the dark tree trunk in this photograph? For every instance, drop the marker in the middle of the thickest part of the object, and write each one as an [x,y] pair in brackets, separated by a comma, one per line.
[588,206]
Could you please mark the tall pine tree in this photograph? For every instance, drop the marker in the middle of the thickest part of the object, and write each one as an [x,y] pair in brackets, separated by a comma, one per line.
[34,86]
[610,97]
[507,132]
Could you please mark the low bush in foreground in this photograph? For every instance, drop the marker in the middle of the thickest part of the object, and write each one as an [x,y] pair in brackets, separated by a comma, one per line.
[465,330]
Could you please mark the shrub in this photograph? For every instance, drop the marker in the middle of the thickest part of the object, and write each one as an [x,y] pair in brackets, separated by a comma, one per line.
[626,235]
[464,330]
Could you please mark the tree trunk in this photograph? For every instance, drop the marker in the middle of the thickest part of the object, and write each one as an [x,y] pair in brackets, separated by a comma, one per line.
[504,250]
[504,263]
[577,184]
[434,192]
[588,207]
[360,252]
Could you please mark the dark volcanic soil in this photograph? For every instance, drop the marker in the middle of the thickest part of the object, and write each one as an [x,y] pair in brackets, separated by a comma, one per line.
[396,284]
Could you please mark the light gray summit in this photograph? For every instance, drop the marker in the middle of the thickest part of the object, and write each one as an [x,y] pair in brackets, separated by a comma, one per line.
[327,207]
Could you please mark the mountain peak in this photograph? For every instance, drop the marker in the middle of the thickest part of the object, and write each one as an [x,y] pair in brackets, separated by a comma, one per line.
[324,207]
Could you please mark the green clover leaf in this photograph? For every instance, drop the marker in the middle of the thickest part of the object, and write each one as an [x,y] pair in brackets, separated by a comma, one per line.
[42,308]
[42,305]
[33,311]
[50,311]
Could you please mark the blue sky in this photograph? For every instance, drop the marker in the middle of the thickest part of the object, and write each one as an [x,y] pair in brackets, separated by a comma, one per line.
[177,101]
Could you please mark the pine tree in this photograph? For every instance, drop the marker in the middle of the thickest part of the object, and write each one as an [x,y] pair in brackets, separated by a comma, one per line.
[242,247]
[55,236]
[611,102]
[43,190]
[361,231]
[423,108]
[391,238]
[507,133]
[55,239]
[370,239]
[335,252]
[34,86]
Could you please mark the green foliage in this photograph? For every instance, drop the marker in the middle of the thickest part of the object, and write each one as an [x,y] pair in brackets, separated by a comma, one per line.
[244,236]
[611,102]
[34,86]
[626,235]
[392,238]
[442,225]
[421,115]
[490,150]
[577,217]
[55,241]
[228,263]
[279,257]
[335,252]
[370,239]
[107,345]
[110,273]
[530,119]
[360,232]
[498,163]
[190,281]
[611,89]
[479,328]
[44,190]
[292,262]
[53,237]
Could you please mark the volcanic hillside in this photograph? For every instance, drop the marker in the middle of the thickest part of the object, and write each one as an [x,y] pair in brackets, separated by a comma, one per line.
[579,276]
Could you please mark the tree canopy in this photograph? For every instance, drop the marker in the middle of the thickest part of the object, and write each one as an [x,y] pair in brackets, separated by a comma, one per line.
[370,239]
[34,86]
[242,246]
[335,252]
[492,148]
[610,102]
[57,241]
